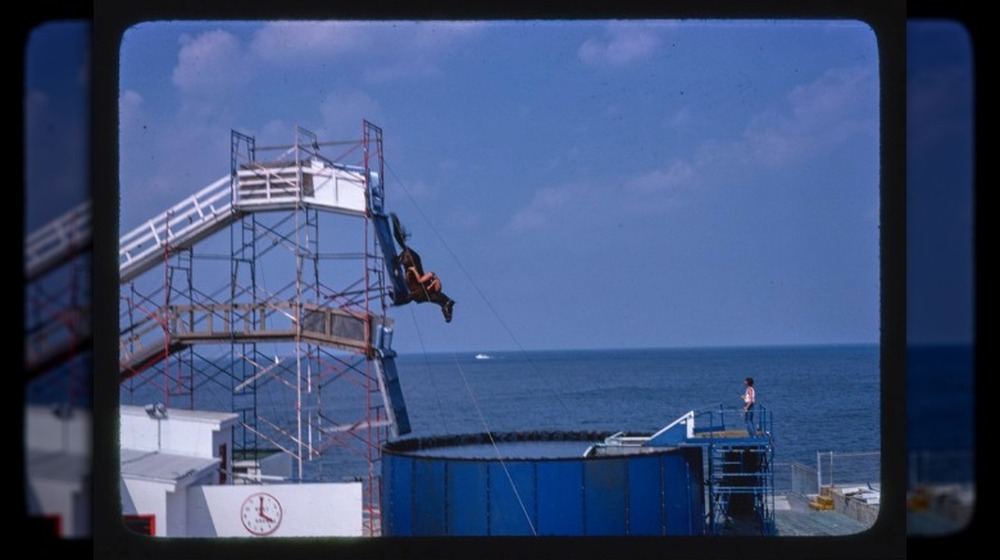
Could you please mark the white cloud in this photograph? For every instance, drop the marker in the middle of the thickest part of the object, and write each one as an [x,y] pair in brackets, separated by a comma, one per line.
[57,154]
[537,212]
[622,44]
[394,50]
[938,102]
[832,96]
[662,181]
[83,73]
[419,189]
[415,49]
[592,203]
[833,108]
[276,132]
[298,41]
[467,219]
[559,205]
[438,36]
[400,70]
[212,63]
[35,103]
[129,109]
[681,117]
[343,112]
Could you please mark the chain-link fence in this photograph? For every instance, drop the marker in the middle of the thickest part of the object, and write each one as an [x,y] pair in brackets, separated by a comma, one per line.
[941,467]
[795,478]
[848,468]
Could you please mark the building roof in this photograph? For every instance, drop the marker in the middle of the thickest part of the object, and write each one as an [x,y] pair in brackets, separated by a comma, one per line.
[164,467]
[186,415]
[57,465]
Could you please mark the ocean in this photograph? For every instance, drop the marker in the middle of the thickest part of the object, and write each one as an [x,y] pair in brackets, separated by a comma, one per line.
[821,398]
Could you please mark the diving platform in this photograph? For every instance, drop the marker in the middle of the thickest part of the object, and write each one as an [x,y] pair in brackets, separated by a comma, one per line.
[740,479]
[254,187]
[317,183]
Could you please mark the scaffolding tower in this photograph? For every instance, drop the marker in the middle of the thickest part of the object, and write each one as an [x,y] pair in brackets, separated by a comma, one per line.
[285,320]
[737,464]
[740,476]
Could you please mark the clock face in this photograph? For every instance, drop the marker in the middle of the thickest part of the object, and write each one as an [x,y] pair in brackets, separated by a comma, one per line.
[261,513]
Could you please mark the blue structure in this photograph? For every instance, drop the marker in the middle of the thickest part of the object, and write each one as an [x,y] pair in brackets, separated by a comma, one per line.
[740,480]
[538,484]
[692,477]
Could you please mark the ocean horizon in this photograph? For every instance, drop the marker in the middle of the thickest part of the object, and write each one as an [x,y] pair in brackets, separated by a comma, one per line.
[821,398]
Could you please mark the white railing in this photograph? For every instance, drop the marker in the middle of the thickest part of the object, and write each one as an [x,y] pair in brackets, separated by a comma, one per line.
[184,222]
[51,243]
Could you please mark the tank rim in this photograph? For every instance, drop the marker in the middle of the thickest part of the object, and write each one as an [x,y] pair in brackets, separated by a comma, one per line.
[407,447]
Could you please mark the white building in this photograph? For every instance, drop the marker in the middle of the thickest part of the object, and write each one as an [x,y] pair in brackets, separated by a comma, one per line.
[177,481]
[57,467]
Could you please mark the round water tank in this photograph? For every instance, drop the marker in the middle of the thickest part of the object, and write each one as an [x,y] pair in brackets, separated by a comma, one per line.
[538,483]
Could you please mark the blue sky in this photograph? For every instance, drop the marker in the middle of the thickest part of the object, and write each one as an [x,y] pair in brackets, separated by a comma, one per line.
[657,113]
[56,120]
[575,184]
[940,183]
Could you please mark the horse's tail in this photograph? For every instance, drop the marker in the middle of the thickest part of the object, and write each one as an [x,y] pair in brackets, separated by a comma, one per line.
[398,231]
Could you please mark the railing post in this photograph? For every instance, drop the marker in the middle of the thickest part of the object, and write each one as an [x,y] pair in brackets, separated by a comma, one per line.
[819,472]
[831,469]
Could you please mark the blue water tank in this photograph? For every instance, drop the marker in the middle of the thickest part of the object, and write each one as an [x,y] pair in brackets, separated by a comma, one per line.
[538,484]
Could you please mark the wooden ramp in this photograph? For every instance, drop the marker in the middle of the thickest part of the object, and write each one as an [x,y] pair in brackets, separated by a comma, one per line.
[145,343]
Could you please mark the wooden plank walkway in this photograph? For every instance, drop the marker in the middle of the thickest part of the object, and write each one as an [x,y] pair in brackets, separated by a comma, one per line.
[796,519]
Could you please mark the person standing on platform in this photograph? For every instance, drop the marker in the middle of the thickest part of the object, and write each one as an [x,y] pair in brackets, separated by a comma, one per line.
[749,399]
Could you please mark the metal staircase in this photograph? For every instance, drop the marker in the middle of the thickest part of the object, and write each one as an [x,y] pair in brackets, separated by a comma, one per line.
[740,488]
[52,244]
[184,224]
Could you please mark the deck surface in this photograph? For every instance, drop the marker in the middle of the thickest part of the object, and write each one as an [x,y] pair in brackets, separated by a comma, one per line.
[793,517]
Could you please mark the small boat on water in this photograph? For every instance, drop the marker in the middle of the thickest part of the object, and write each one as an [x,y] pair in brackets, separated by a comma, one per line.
[483,356]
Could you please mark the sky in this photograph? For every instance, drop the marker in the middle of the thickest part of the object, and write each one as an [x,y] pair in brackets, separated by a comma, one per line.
[580,184]
[576,184]
[56,120]
[941,192]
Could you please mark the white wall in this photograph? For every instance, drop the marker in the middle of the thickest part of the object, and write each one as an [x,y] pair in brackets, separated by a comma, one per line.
[44,431]
[67,499]
[66,447]
[313,509]
[178,436]
[339,189]
[139,433]
[177,518]
[81,524]
[143,497]
[182,432]
[188,438]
